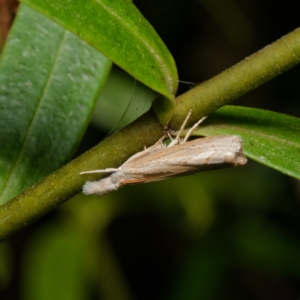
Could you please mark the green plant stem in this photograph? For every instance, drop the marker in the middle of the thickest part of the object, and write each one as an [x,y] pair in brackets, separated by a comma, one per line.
[239,79]
[205,98]
[66,182]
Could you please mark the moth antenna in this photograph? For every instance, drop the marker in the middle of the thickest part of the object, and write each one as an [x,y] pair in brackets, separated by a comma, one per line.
[109,170]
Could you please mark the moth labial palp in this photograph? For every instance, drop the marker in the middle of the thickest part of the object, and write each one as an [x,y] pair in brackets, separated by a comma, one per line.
[179,157]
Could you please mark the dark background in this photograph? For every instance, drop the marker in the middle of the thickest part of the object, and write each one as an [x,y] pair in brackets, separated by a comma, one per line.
[230,234]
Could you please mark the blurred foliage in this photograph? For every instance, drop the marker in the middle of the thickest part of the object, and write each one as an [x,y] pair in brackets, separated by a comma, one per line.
[227,234]
[118,107]
[209,235]
[5,265]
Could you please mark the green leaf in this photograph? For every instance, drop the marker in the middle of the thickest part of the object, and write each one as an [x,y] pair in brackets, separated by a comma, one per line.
[270,138]
[119,31]
[119,107]
[49,82]
[56,253]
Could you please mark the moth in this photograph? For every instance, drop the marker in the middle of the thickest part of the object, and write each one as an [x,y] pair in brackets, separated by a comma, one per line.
[179,157]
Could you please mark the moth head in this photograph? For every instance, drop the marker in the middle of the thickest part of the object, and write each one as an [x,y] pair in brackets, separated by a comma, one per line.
[100,187]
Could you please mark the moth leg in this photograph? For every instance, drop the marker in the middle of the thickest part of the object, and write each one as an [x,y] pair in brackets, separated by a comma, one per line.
[177,138]
[158,145]
[192,129]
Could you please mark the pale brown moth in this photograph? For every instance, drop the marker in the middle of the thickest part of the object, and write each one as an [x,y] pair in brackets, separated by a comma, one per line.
[162,161]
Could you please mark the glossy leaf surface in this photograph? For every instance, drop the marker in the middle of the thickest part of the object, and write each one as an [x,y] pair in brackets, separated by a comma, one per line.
[270,138]
[49,82]
[119,31]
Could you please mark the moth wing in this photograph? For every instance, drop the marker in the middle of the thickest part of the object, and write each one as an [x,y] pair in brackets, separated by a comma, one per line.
[150,178]
[157,146]
[183,159]
[211,151]
[190,157]
[215,158]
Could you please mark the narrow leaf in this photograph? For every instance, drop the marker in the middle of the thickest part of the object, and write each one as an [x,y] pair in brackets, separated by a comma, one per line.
[270,138]
[49,82]
[119,31]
